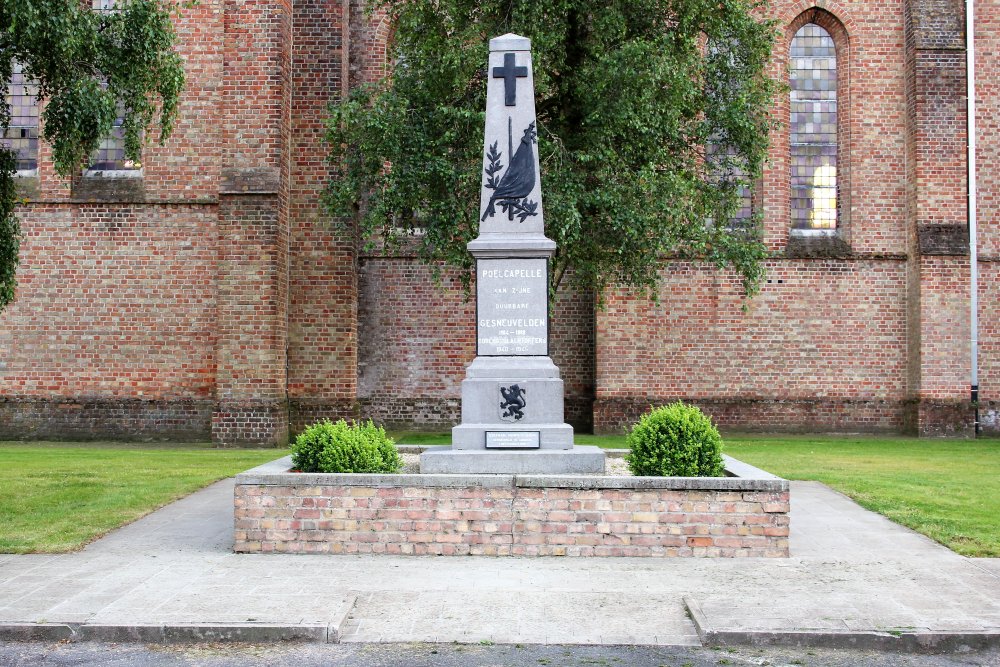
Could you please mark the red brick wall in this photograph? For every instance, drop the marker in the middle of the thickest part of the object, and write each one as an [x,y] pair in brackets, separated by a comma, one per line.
[824,344]
[370,33]
[322,351]
[188,167]
[822,347]
[114,331]
[988,193]
[416,340]
[572,348]
[874,341]
[251,323]
[115,316]
[213,295]
[870,110]
[147,305]
[936,217]
[251,384]
[989,346]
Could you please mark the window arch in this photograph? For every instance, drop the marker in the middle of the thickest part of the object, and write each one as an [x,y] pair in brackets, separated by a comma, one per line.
[22,133]
[815,128]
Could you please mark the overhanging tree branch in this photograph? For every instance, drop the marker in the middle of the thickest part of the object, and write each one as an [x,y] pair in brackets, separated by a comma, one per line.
[88,65]
[628,98]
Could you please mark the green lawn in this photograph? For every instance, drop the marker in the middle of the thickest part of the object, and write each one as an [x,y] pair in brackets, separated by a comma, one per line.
[948,490]
[57,497]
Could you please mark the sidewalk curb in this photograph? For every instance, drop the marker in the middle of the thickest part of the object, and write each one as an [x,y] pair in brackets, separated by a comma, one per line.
[334,632]
[181,633]
[927,641]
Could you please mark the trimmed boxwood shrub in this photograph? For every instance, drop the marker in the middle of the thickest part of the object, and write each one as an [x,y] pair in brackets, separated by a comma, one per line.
[343,447]
[675,440]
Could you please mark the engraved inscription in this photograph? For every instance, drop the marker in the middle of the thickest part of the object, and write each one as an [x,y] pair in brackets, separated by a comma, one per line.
[513,439]
[513,307]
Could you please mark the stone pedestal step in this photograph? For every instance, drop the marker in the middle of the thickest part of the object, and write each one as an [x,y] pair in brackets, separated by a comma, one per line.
[581,459]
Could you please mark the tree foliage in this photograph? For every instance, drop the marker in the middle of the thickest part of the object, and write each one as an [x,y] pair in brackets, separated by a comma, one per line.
[629,97]
[91,67]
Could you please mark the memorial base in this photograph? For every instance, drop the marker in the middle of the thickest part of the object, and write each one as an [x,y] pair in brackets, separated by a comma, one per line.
[497,436]
[512,403]
[580,459]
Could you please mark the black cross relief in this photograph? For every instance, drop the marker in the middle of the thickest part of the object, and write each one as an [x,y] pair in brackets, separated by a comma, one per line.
[510,74]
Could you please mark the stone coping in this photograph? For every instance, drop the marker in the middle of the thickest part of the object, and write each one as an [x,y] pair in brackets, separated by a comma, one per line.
[740,477]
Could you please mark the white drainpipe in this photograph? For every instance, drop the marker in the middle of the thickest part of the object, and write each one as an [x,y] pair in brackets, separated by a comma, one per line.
[970,75]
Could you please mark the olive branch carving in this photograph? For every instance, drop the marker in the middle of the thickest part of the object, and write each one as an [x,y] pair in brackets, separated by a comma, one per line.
[493,155]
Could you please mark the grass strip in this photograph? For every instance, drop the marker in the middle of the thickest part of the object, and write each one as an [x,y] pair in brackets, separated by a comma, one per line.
[949,490]
[56,498]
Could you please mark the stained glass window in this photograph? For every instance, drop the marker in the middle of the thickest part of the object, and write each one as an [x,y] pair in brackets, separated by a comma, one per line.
[726,168]
[813,129]
[110,153]
[22,134]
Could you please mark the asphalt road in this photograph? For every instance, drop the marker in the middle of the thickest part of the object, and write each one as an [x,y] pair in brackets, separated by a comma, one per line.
[16,654]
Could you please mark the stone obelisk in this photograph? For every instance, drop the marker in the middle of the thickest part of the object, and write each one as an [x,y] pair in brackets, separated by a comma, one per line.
[512,396]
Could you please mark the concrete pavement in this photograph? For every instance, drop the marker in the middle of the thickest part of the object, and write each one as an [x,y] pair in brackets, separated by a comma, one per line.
[854,579]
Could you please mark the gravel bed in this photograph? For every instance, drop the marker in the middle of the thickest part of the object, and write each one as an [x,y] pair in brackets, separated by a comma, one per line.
[613,466]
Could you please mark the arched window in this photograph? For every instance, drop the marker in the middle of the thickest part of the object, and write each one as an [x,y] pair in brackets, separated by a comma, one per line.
[814,130]
[22,134]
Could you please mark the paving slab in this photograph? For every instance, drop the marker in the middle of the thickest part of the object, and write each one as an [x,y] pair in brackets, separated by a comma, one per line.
[524,616]
[991,565]
[854,579]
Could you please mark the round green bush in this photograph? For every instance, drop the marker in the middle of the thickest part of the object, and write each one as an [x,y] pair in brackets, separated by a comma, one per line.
[675,440]
[343,447]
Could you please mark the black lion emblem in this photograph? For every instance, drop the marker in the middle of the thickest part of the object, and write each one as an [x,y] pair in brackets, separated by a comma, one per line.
[512,405]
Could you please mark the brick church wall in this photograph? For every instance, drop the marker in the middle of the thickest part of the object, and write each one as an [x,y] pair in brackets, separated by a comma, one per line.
[823,347]
[988,156]
[416,340]
[936,218]
[113,333]
[322,317]
[98,343]
[251,384]
[989,347]
[213,297]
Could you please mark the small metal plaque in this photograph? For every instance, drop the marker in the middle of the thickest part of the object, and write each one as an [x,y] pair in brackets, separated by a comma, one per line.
[513,439]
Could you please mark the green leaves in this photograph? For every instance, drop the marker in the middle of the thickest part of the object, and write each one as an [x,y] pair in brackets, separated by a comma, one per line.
[75,118]
[675,440]
[10,230]
[91,67]
[628,99]
[345,448]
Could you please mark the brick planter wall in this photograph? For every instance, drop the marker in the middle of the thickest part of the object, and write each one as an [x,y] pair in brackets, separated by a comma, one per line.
[511,515]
